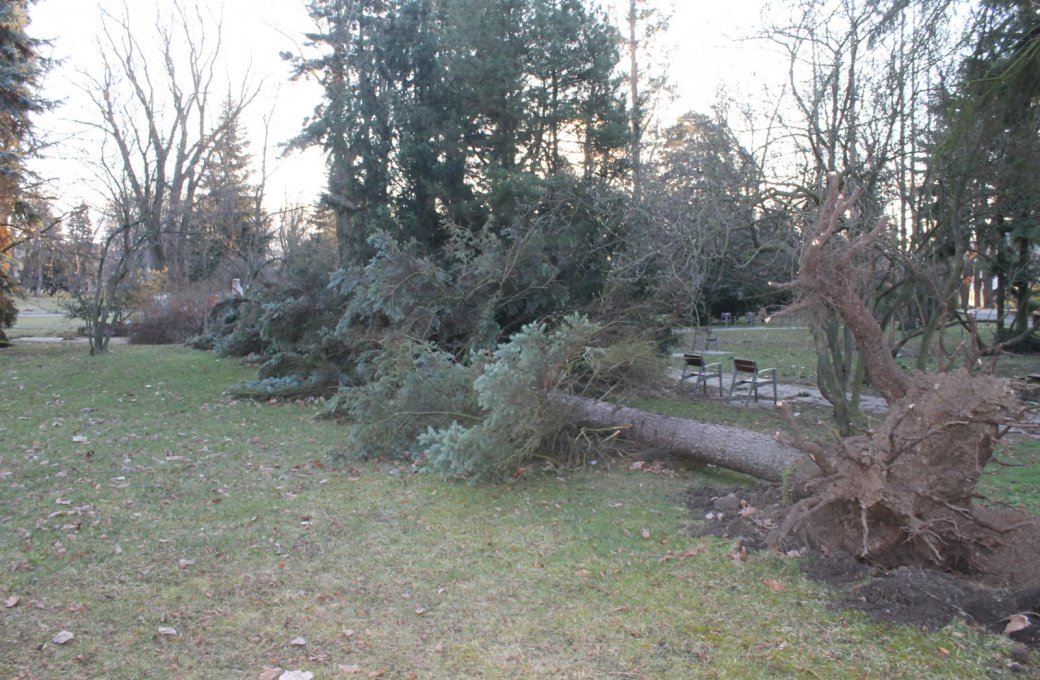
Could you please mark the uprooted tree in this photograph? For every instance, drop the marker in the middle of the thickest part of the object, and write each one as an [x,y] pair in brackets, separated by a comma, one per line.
[903,494]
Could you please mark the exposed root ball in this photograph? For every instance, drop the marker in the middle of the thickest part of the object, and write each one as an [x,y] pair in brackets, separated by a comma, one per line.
[903,496]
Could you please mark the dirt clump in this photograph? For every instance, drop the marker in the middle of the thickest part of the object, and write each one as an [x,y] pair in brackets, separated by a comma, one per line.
[910,595]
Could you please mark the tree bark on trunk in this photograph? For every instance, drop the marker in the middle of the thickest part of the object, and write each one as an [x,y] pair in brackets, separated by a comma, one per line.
[752,453]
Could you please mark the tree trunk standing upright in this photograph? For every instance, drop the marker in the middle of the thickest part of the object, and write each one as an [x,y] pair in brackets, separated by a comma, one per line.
[22,70]
[647,82]
[902,495]
[636,103]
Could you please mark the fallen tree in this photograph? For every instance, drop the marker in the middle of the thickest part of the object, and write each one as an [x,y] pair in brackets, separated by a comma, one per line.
[902,495]
[733,448]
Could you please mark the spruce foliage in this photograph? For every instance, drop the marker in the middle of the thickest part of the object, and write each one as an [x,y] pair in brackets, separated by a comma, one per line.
[415,387]
[443,112]
[21,70]
[519,420]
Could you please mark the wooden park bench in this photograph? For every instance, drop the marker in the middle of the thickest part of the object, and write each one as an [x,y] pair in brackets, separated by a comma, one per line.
[695,369]
[747,372]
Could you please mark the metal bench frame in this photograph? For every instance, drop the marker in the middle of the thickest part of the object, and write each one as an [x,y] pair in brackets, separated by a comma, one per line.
[747,372]
[696,369]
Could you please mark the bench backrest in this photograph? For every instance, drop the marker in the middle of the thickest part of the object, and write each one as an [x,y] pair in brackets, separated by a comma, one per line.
[745,366]
[693,359]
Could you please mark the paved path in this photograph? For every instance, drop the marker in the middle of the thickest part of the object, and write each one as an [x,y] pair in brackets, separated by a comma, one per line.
[55,339]
[789,392]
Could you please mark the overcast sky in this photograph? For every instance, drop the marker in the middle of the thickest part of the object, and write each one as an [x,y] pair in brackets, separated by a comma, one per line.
[705,35]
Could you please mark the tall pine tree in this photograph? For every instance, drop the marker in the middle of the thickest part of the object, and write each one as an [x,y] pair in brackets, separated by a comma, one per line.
[229,231]
[20,72]
[442,112]
[984,169]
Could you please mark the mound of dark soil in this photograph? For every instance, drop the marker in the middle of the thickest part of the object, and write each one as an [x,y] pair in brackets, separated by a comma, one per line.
[911,596]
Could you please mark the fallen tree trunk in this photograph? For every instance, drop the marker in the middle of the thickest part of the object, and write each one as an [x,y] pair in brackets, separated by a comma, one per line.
[752,453]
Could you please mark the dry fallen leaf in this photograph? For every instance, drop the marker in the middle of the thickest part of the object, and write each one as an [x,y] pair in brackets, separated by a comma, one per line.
[166,630]
[420,610]
[63,637]
[1016,622]
[738,554]
[11,602]
[646,532]
[348,668]
[410,675]
[184,564]
[299,642]
[349,632]
[296,675]
[270,673]
[774,584]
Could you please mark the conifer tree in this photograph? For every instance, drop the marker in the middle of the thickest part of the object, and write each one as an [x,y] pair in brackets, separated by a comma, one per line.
[987,156]
[20,72]
[228,229]
[455,112]
[353,122]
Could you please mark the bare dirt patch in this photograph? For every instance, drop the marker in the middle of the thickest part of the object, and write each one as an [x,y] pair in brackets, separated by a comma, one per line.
[929,598]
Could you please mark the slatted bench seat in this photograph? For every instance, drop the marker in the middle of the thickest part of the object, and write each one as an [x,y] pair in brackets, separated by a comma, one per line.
[747,372]
[700,372]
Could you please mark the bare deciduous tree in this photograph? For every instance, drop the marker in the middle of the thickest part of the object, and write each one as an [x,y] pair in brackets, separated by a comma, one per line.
[858,80]
[158,124]
[703,233]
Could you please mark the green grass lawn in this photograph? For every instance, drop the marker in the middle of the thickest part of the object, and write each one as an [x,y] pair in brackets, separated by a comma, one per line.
[41,303]
[178,533]
[789,349]
[42,316]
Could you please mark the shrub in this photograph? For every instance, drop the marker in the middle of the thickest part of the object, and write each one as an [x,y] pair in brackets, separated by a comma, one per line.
[628,364]
[234,328]
[166,318]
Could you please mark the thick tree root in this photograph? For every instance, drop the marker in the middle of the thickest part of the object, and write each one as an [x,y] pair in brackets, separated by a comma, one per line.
[904,495]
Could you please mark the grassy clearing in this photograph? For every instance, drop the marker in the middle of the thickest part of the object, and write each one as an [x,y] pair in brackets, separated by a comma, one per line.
[1017,481]
[789,349]
[136,496]
[42,316]
[41,303]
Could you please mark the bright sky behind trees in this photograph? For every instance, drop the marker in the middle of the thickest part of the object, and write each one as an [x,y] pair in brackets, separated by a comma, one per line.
[705,48]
